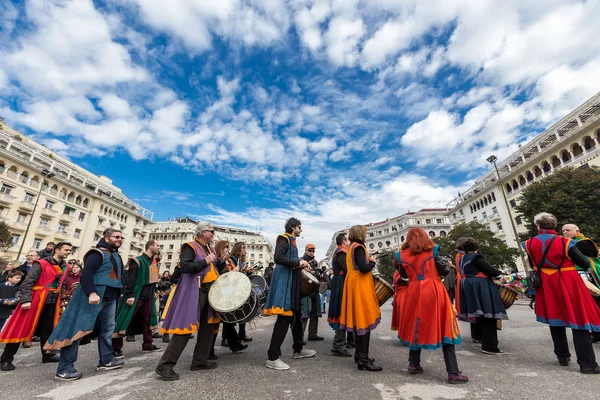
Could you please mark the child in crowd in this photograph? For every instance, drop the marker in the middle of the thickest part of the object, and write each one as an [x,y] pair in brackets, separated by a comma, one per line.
[9,295]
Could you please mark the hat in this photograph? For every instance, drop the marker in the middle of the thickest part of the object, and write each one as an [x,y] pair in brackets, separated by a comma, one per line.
[310,246]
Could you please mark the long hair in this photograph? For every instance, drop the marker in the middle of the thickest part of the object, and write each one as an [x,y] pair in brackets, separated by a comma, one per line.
[417,241]
[220,247]
[236,251]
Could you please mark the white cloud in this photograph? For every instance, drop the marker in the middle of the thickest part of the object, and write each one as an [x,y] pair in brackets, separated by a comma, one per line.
[343,37]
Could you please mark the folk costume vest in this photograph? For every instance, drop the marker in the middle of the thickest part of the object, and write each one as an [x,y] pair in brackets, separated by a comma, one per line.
[279,299]
[22,324]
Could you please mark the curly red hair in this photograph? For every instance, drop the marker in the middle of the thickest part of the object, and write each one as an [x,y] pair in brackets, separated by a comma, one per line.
[418,241]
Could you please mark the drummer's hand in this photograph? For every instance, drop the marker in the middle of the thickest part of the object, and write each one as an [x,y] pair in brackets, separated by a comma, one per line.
[371,258]
[304,264]
[210,258]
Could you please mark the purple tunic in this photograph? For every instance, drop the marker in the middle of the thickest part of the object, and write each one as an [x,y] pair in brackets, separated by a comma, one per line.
[183,311]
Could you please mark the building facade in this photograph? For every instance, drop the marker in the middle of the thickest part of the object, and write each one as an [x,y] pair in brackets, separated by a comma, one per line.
[574,141]
[46,198]
[390,234]
[173,233]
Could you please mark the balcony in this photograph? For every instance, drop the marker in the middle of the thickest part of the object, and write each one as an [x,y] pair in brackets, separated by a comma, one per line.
[100,228]
[7,199]
[43,230]
[61,235]
[495,217]
[48,212]
[66,218]
[26,205]
[500,233]
[18,226]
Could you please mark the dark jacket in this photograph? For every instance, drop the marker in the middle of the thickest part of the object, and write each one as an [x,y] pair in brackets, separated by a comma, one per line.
[46,253]
[10,294]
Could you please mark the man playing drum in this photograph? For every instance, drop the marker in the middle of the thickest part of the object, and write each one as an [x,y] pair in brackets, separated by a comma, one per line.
[284,296]
[189,310]
[311,304]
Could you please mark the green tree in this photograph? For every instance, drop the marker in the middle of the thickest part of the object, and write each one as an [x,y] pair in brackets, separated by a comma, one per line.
[570,194]
[384,265]
[5,237]
[495,250]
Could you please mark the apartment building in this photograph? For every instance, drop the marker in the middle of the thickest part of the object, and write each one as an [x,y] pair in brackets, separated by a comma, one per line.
[44,197]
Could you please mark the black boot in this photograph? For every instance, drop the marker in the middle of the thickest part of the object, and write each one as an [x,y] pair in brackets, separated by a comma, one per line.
[365,363]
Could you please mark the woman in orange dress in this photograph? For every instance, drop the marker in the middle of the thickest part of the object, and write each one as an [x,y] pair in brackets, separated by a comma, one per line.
[360,309]
[427,318]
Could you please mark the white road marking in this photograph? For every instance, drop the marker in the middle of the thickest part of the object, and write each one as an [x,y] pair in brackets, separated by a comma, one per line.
[89,385]
[385,337]
[426,391]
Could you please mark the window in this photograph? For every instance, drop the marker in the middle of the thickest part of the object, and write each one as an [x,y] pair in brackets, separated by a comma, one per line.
[484,215]
[74,249]
[29,197]
[475,218]
[380,245]
[6,188]
[15,240]
[162,246]
[454,215]
[260,255]
[370,234]
[371,246]
[49,204]
[495,210]
[518,220]
[439,220]
[96,237]
[37,243]
[499,225]
[170,247]
[461,212]
[77,233]
[67,210]
[62,227]
[21,217]
[427,220]
[170,257]
[513,203]
[81,216]
[44,221]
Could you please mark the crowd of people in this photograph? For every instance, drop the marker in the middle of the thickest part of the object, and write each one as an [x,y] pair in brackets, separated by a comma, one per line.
[68,303]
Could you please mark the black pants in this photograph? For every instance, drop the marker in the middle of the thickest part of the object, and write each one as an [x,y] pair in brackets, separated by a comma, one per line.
[596,335]
[242,331]
[489,334]
[204,339]
[280,331]
[414,357]
[43,329]
[312,321]
[475,331]
[583,345]
[230,334]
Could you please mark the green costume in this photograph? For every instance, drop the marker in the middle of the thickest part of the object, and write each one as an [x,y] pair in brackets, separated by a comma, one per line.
[145,275]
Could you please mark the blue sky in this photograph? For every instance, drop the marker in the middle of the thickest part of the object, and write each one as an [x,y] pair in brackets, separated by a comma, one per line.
[247,112]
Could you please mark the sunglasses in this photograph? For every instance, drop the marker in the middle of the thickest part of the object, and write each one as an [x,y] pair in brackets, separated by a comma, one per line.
[310,250]
[117,237]
[213,231]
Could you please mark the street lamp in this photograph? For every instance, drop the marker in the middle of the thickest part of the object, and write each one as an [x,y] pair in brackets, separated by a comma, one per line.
[47,175]
[492,160]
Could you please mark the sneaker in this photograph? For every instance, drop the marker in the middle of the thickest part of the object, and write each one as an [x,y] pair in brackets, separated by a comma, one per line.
[341,352]
[246,339]
[156,335]
[68,376]
[208,365]
[457,378]
[499,352]
[26,344]
[130,338]
[239,347]
[305,353]
[50,358]
[167,374]
[564,361]
[151,349]
[114,364]
[7,366]
[35,339]
[414,369]
[119,355]
[278,365]
[316,338]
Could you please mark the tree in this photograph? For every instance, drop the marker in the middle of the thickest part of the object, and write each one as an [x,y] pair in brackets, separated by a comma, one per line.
[5,237]
[495,250]
[572,195]
[384,265]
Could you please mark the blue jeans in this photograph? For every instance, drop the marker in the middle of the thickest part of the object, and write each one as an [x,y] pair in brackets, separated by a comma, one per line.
[105,323]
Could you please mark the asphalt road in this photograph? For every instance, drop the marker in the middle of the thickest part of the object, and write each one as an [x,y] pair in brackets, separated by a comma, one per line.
[527,370]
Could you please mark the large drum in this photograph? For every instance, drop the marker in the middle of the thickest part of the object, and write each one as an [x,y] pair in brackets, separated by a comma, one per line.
[309,284]
[259,286]
[507,294]
[233,298]
[383,290]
